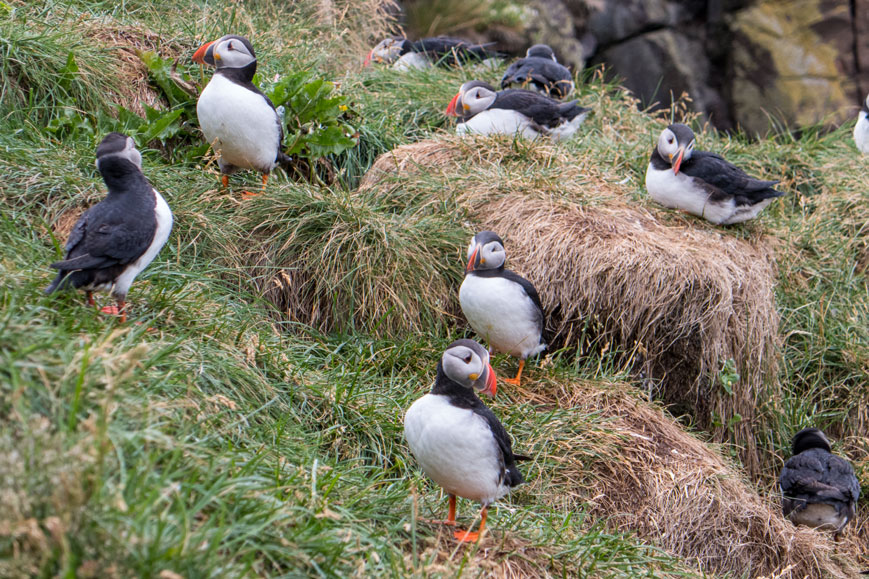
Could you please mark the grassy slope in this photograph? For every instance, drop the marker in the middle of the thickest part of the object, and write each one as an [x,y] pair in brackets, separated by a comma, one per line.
[207,441]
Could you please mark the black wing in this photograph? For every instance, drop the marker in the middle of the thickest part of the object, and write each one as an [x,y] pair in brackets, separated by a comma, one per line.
[542,109]
[545,73]
[512,476]
[727,179]
[529,289]
[452,50]
[817,476]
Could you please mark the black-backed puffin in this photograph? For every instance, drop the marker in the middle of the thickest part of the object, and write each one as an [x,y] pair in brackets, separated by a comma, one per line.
[483,110]
[423,53]
[702,183]
[819,489]
[457,439]
[502,307]
[861,129]
[539,71]
[236,118]
[113,241]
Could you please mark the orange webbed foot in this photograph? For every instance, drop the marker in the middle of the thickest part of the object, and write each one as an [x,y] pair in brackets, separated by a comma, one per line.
[466,536]
[249,194]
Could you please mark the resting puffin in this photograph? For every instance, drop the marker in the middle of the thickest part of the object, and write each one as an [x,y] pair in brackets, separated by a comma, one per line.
[236,118]
[819,489]
[861,129]
[113,241]
[702,183]
[540,71]
[457,440]
[531,114]
[501,306]
[404,54]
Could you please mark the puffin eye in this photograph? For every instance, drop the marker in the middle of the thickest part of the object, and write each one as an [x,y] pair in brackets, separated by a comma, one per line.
[467,359]
[670,140]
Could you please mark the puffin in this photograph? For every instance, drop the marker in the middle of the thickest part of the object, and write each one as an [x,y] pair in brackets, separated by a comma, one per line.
[423,53]
[819,489]
[113,241]
[457,440]
[702,183]
[530,114]
[236,118]
[540,71]
[501,306]
[861,129]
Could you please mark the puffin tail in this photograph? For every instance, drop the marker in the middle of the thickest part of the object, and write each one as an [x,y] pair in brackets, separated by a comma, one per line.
[56,283]
[284,160]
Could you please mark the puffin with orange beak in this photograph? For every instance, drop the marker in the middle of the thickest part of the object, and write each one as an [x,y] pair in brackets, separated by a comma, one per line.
[500,305]
[236,118]
[702,183]
[457,440]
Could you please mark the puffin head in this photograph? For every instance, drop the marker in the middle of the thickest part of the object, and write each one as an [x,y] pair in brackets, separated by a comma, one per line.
[809,438]
[486,251]
[468,99]
[118,146]
[386,51]
[466,363]
[676,144]
[541,51]
[230,51]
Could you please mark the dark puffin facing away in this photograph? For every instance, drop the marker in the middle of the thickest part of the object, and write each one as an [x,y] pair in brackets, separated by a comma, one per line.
[539,71]
[502,307]
[702,183]
[457,440]
[861,129]
[236,118]
[423,53]
[484,111]
[819,489]
[113,241]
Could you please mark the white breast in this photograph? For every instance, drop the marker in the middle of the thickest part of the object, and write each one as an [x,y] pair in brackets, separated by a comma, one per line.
[499,122]
[681,192]
[240,124]
[861,133]
[502,314]
[411,60]
[455,447]
[164,227]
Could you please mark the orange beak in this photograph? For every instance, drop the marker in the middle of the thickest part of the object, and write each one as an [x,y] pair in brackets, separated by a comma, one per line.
[473,259]
[491,382]
[678,160]
[199,55]
[368,58]
[451,108]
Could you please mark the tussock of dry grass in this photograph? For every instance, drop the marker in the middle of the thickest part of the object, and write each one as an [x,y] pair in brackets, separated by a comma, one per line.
[643,473]
[682,300]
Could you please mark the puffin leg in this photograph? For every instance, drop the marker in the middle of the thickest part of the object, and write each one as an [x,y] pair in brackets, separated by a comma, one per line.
[451,516]
[468,536]
[225,180]
[249,194]
[118,310]
[90,297]
[515,381]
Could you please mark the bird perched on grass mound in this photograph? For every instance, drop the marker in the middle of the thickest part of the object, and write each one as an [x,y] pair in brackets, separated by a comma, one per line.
[113,241]
[539,71]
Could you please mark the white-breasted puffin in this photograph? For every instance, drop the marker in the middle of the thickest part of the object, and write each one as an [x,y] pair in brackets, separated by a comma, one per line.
[113,241]
[539,71]
[483,110]
[702,183]
[819,489]
[861,129]
[501,306]
[236,118]
[425,52]
[457,439]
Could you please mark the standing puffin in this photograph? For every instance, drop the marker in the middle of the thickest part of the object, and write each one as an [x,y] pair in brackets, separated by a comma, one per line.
[501,306]
[457,440]
[404,54]
[702,183]
[113,241]
[819,489]
[540,71]
[484,111]
[861,129]
[236,118]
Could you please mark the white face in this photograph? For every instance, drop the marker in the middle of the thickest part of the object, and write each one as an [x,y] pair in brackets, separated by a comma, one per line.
[387,51]
[232,53]
[477,99]
[465,366]
[668,146]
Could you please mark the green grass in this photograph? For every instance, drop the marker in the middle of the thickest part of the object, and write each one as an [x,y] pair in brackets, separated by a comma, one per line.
[216,435]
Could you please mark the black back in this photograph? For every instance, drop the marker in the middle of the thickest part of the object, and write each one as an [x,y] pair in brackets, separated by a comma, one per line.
[543,110]
[113,233]
[817,476]
[463,397]
[450,51]
[544,73]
